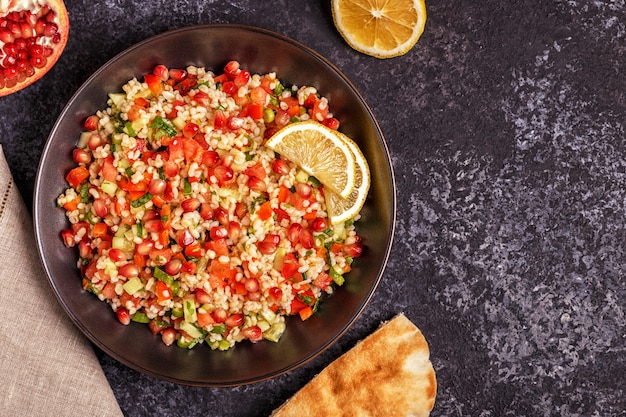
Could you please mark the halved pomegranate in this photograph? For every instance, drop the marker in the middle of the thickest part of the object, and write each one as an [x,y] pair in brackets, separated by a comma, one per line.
[33,34]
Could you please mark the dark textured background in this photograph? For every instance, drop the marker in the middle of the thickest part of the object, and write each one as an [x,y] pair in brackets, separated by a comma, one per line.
[506,128]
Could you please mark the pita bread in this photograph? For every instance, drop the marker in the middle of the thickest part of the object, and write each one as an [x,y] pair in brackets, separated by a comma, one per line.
[389,373]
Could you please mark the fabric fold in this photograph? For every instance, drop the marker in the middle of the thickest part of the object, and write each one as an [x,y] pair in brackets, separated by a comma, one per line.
[47,367]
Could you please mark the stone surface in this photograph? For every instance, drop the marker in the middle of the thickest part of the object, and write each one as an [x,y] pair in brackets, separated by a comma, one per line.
[506,128]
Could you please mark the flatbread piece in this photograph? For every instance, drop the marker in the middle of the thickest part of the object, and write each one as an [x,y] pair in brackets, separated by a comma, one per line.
[389,374]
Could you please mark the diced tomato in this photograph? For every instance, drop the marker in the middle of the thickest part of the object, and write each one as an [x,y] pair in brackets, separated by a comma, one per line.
[255,111]
[204,319]
[281,214]
[191,150]
[154,84]
[322,281]
[108,291]
[223,271]
[175,149]
[72,204]
[161,256]
[265,211]
[290,268]
[100,230]
[164,292]
[194,250]
[306,312]
[219,246]
[157,325]
[297,305]
[256,170]
[135,112]
[76,176]
[283,194]
[126,297]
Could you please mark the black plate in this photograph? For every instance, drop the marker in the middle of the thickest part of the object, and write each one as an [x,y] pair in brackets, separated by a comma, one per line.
[211,46]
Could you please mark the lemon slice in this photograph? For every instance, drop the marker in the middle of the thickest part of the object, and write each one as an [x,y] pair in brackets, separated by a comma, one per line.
[380,28]
[320,152]
[340,209]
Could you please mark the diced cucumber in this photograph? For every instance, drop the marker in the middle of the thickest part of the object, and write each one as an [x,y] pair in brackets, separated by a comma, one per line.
[337,275]
[275,331]
[84,139]
[109,187]
[263,325]
[133,285]
[117,98]
[189,309]
[140,317]
[302,176]
[120,242]
[191,330]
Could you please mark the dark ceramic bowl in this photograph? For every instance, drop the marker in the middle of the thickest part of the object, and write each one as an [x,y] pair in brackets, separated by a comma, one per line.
[211,46]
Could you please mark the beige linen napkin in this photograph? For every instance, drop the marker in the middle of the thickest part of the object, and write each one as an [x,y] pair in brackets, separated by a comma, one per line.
[47,367]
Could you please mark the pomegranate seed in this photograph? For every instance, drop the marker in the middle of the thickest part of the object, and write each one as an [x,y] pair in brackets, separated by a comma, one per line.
[47,52]
[81,156]
[100,208]
[221,215]
[218,232]
[306,239]
[123,316]
[252,284]
[206,212]
[210,158]
[229,88]
[10,49]
[234,122]
[276,294]
[189,267]
[144,247]
[117,255]
[151,215]
[50,29]
[27,30]
[234,320]
[129,271]
[231,69]
[293,232]
[68,238]
[40,26]
[304,190]
[190,130]
[242,78]
[202,297]
[173,267]
[157,186]
[219,315]
[267,248]
[84,249]
[15,29]
[223,174]
[257,184]
[154,225]
[280,167]
[254,296]
[162,72]
[95,141]
[21,43]
[184,238]
[190,204]
[202,98]
[168,336]
[234,231]
[353,249]
[178,74]
[331,123]
[319,224]
[91,123]
[252,333]
[6,36]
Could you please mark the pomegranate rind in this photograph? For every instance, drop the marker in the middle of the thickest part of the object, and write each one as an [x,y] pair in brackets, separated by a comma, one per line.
[64,29]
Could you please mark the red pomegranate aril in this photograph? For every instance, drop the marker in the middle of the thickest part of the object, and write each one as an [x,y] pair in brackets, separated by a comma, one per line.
[218,232]
[84,249]
[50,29]
[331,123]
[36,50]
[201,296]
[206,212]
[150,215]
[306,239]
[10,72]
[10,49]
[223,174]
[242,78]
[100,208]
[234,320]
[27,30]
[231,69]
[257,184]
[276,294]
[280,167]
[95,141]
[252,333]
[319,224]
[234,231]
[293,232]
[190,204]
[252,284]
[123,315]
[184,238]
[168,336]
[157,186]
[129,271]
[162,72]
[235,122]
[229,88]
[173,267]
[6,36]
[117,255]
[267,247]
[190,130]
[144,247]
[254,296]
[353,249]
[177,74]
[304,190]
[91,123]
[219,315]
[153,225]
[15,29]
